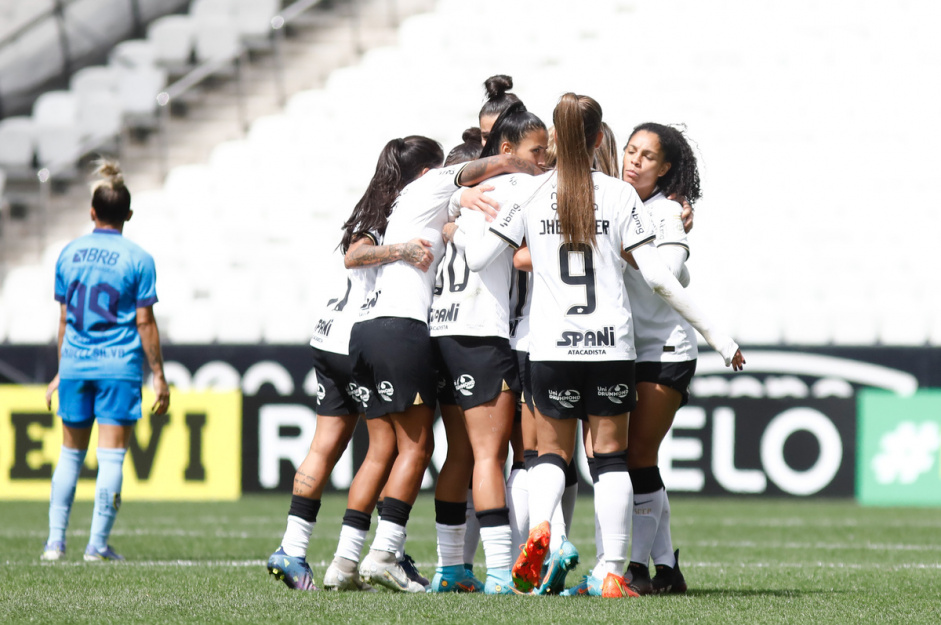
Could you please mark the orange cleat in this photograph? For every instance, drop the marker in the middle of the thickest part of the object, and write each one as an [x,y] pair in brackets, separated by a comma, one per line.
[614,587]
[527,571]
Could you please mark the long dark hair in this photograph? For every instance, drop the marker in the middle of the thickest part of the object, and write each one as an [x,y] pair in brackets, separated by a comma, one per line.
[513,124]
[577,121]
[683,176]
[400,162]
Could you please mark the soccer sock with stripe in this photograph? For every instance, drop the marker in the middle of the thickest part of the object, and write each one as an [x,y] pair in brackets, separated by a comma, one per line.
[107,495]
[63,491]
[451,525]
[662,551]
[549,472]
[352,535]
[496,535]
[390,531]
[648,506]
[301,520]
[517,500]
[613,498]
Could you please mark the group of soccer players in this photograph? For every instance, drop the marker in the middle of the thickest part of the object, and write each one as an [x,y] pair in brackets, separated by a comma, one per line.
[521,290]
[521,286]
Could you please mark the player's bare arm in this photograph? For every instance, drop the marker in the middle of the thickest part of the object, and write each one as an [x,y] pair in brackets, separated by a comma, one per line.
[364,253]
[477,171]
[54,385]
[150,340]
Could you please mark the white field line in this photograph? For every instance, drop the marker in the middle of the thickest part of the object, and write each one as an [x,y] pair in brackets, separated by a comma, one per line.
[800,522]
[431,565]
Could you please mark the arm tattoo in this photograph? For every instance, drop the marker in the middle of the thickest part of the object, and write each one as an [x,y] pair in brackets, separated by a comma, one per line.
[412,253]
[369,255]
[477,171]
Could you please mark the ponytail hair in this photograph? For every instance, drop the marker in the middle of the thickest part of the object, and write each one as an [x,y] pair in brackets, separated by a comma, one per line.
[512,126]
[577,121]
[400,162]
[606,156]
[498,100]
[469,150]
[683,176]
[109,197]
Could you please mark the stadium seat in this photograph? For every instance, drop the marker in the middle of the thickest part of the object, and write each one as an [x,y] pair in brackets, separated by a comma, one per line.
[17,145]
[133,53]
[58,134]
[253,18]
[93,79]
[216,38]
[172,37]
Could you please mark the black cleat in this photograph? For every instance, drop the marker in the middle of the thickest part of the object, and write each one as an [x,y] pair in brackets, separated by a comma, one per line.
[669,579]
[638,578]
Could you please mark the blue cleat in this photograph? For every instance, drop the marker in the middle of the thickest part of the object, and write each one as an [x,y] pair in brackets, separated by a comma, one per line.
[454,579]
[293,571]
[94,554]
[53,551]
[563,560]
[499,582]
[590,586]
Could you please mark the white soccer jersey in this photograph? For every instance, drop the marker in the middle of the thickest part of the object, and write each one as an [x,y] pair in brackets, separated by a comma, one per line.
[580,309]
[471,303]
[332,332]
[660,333]
[421,210]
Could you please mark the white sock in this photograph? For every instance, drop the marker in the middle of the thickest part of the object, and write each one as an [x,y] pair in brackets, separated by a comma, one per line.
[450,544]
[646,518]
[400,548]
[569,497]
[517,500]
[662,550]
[557,527]
[297,536]
[350,545]
[599,545]
[389,536]
[472,535]
[498,546]
[613,499]
[544,502]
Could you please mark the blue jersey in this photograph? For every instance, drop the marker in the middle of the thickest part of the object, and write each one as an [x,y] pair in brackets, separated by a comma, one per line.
[103,279]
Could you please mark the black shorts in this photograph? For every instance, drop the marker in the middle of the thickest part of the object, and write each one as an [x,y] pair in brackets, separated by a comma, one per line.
[393,364]
[573,389]
[526,379]
[675,375]
[337,393]
[472,370]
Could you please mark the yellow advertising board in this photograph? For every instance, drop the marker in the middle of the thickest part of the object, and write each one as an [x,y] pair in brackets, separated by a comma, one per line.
[194,452]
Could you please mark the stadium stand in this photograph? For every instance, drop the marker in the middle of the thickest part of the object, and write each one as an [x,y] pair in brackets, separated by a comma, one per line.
[792,242]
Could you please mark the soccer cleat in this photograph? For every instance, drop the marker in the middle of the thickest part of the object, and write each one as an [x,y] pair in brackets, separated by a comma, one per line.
[669,579]
[454,579]
[292,570]
[408,565]
[387,574]
[53,551]
[590,586]
[526,571]
[638,578]
[499,582]
[335,579]
[563,560]
[614,587]
[94,554]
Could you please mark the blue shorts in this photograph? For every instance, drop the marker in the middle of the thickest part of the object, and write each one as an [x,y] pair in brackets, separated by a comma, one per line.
[112,402]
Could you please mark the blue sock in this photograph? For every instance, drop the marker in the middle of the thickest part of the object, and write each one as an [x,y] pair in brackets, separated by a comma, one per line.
[63,491]
[107,495]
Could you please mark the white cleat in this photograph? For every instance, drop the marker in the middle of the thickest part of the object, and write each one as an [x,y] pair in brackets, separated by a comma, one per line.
[335,579]
[387,574]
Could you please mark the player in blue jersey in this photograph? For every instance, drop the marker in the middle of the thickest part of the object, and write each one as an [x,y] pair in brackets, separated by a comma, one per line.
[106,286]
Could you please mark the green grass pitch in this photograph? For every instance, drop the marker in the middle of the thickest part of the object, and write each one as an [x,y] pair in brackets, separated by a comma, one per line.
[746,561]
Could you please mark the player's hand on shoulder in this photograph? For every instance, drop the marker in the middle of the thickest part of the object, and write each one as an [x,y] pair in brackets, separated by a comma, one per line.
[417,252]
[688,210]
[447,233]
[476,198]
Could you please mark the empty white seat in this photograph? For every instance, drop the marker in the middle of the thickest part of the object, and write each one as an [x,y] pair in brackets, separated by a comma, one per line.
[253,17]
[216,38]
[99,117]
[133,53]
[137,91]
[94,79]
[58,135]
[172,37]
[17,141]
[33,322]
